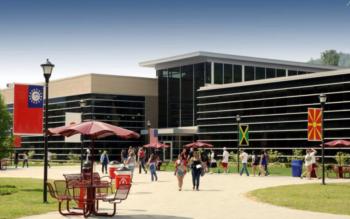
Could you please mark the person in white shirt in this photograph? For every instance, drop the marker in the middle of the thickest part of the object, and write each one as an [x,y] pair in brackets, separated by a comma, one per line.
[244,157]
[224,162]
[308,164]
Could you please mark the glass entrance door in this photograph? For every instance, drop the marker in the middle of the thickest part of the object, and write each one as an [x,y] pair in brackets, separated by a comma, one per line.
[168,152]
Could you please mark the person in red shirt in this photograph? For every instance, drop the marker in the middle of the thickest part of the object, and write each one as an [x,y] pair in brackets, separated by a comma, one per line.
[141,154]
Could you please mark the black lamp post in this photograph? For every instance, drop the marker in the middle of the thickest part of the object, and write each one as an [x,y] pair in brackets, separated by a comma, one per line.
[82,105]
[238,119]
[47,69]
[149,130]
[323,100]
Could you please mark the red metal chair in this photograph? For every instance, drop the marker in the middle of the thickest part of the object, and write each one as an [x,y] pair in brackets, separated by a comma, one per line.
[120,195]
[61,194]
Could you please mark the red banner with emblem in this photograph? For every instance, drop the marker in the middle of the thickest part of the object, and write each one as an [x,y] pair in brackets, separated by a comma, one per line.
[314,124]
[28,110]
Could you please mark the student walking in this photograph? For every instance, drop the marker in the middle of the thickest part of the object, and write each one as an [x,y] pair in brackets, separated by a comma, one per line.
[16,160]
[263,163]
[308,164]
[25,159]
[225,158]
[314,172]
[131,162]
[142,160]
[255,163]
[152,163]
[49,157]
[196,169]
[266,155]
[104,161]
[180,171]
[123,156]
[212,161]
[244,157]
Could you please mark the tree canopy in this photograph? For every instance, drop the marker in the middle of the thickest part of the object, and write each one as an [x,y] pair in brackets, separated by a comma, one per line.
[330,57]
[5,133]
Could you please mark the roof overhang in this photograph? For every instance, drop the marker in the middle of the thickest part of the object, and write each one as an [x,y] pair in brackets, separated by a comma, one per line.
[178,131]
[210,55]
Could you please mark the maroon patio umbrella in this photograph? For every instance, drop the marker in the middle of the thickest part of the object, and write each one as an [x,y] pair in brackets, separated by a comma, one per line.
[337,143]
[156,145]
[95,130]
[55,131]
[198,144]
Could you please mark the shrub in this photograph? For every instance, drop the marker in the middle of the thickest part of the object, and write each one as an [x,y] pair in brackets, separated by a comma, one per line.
[73,157]
[342,158]
[31,154]
[297,155]
[274,156]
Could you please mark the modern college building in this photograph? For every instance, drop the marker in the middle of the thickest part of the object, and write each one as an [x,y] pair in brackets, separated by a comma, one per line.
[124,101]
[198,95]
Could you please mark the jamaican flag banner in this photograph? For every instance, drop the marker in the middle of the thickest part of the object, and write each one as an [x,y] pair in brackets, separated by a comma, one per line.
[243,135]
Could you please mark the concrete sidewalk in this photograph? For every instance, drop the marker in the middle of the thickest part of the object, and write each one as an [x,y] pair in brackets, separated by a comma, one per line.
[220,196]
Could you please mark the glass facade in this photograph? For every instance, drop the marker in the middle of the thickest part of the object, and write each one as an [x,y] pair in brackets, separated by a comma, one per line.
[177,93]
[124,111]
[275,112]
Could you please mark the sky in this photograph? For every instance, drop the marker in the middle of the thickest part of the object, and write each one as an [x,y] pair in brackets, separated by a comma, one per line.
[113,36]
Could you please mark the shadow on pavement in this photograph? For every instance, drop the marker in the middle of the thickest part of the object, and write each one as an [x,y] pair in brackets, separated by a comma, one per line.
[147,217]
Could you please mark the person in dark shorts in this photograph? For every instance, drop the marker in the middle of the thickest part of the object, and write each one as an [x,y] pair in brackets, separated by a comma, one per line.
[255,163]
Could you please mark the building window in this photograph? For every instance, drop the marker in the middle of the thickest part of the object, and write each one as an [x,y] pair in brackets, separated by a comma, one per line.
[301,72]
[281,72]
[237,72]
[248,73]
[259,73]
[218,73]
[163,97]
[174,97]
[208,72]
[292,72]
[186,95]
[270,73]
[227,73]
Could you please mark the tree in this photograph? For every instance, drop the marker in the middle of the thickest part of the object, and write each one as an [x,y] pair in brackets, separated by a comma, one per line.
[330,57]
[6,139]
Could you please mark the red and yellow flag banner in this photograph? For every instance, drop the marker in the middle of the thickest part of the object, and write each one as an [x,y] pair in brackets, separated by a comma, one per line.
[314,124]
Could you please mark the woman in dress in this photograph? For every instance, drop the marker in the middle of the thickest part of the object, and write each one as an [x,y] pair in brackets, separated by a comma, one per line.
[180,171]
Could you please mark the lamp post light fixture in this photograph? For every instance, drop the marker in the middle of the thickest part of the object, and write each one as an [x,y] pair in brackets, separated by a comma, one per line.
[82,103]
[47,69]
[323,100]
[238,120]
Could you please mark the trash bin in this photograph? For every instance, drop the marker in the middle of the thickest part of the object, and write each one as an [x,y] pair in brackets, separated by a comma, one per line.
[297,168]
[122,176]
[112,169]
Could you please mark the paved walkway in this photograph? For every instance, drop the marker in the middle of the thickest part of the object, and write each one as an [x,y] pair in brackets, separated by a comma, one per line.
[220,196]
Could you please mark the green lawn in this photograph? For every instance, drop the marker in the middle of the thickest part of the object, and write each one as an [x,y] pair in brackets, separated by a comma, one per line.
[22,197]
[331,198]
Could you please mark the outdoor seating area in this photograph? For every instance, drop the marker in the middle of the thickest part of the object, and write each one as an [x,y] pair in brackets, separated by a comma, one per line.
[342,171]
[86,193]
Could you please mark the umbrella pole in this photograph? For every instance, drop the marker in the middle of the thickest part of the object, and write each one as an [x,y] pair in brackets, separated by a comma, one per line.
[92,160]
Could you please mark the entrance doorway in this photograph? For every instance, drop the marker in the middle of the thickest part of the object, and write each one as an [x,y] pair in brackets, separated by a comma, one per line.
[168,152]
